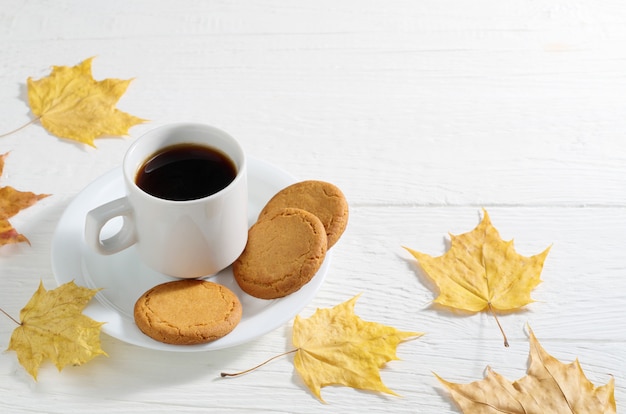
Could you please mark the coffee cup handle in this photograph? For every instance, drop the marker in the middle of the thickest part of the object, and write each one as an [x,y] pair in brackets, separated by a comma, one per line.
[98,217]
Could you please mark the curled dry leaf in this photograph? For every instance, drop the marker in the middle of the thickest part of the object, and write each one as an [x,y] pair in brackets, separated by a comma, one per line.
[550,387]
[71,104]
[12,202]
[53,327]
[334,346]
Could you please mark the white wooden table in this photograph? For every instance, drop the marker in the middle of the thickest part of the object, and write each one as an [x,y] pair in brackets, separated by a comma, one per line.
[422,112]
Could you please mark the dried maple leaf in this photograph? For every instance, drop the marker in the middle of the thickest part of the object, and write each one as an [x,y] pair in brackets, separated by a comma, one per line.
[481,271]
[334,346]
[11,202]
[550,387]
[53,327]
[71,104]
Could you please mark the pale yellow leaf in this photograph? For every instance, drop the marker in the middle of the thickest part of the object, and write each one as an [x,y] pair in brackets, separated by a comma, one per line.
[337,347]
[482,270]
[53,327]
[71,104]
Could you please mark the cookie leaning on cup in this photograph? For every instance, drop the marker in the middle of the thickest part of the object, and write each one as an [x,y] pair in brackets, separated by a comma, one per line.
[187,312]
[323,199]
[284,251]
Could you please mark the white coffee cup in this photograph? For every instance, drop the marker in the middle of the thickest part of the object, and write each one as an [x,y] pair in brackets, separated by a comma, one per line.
[184,239]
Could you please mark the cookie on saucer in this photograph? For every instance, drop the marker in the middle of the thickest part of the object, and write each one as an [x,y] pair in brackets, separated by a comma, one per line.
[284,251]
[187,312]
[323,199]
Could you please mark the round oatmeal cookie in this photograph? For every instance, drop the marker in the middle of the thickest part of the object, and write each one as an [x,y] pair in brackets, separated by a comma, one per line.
[321,198]
[283,253]
[187,312]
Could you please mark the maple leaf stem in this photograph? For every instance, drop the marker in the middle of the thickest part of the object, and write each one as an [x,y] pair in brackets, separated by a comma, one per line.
[493,312]
[10,317]
[235,374]
[32,121]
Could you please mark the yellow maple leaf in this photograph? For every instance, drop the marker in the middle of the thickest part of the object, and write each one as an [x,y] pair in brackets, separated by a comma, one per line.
[334,346]
[11,202]
[53,327]
[71,104]
[550,387]
[481,271]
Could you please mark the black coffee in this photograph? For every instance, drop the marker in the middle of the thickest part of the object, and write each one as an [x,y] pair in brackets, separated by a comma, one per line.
[186,172]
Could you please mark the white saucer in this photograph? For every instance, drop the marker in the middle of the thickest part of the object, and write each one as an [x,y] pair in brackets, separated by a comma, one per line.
[123,278]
